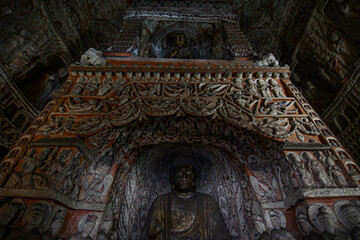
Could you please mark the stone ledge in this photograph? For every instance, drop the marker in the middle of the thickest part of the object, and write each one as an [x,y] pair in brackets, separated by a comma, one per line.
[52,195]
[312,193]
[331,192]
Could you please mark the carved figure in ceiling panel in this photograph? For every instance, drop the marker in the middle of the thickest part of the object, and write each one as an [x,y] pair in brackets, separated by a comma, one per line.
[243,98]
[277,221]
[80,106]
[35,217]
[348,212]
[305,177]
[105,87]
[11,211]
[86,228]
[326,222]
[278,108]
[149,90]
[304,224]
[211,89]
[317,170]
[79,86]
[251,86]
[91,86]
[263,88]
[179,90]
[275,88]
[276,127]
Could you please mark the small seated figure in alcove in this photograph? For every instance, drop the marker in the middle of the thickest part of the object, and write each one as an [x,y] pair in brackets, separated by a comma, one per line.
[184,213]
[181,49]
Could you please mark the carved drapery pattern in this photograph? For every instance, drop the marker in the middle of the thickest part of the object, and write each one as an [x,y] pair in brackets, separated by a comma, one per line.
[253,103]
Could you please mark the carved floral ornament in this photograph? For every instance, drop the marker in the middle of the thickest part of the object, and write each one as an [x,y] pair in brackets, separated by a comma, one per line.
[258,103]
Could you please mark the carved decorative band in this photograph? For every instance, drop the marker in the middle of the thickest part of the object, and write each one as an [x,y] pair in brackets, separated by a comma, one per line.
[63,142]
[305,146]
[49,194]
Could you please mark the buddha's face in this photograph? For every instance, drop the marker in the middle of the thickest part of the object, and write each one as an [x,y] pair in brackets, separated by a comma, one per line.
[326,221]
[34,219]
[352,214]
[184,178]
[180,39]
[88,227]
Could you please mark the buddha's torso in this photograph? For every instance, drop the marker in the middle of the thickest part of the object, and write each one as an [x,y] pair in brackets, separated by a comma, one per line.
[183,215]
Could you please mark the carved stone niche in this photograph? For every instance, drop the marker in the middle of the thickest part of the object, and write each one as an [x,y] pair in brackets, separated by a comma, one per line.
[149,178]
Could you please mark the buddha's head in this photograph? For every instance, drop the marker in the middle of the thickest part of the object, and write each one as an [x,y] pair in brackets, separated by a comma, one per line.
[351,213]
[184,178]
[180,39]
[326,220]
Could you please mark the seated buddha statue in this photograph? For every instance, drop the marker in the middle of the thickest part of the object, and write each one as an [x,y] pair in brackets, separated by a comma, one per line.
[184,213]
[181,49]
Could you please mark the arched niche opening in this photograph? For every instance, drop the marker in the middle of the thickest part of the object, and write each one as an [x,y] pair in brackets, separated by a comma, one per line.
[187,41]
[229,154]
[149,178]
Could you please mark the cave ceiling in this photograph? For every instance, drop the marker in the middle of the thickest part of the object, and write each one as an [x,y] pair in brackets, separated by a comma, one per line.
[318,39]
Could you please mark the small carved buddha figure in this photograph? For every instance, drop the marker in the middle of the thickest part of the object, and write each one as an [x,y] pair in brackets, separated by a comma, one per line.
[330,232]
[34,219]
[353,216]
[181,50]
[278,232]
[306,227]
[184,213]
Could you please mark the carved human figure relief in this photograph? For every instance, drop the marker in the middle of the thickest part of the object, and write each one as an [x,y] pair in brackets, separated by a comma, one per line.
[250,86]
[11,211]
[263,88]
[87,227]
[258,218]
[91,86]
[317,170]
[305,177]
[57,221]
[348,212]
[80,106]
[105,87]
[304,224]
[333,170]
[34,219]
[275,88]
[78,86]
[277,222]
[326,222]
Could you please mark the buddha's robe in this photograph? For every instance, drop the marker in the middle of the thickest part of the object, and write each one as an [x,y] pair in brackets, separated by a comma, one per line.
[194,218]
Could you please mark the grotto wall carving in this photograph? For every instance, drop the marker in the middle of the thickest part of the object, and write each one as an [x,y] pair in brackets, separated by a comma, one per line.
[92,162]
[105,124]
